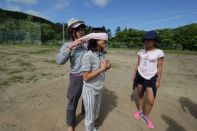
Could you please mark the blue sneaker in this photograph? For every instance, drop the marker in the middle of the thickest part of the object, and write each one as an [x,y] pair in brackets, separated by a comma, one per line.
[144,119]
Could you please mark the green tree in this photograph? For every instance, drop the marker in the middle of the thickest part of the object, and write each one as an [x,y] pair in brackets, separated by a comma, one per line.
[118,29]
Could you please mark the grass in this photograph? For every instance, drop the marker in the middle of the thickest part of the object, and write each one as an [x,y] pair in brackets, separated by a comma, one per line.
[4,85]
[46,74]
[114,65]
[50,61]
[25,64]
[3,53]
[15,79]
[3,69]
[182,52]
[14,53]
[15,71]
[17,60]
[37,49]
[124,49]
[32,78]
[42,51]
[2,46]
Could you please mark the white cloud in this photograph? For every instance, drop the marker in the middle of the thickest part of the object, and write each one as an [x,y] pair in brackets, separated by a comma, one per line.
[100,3]
[168,19]
[23,1]
[86,3]
[61,4]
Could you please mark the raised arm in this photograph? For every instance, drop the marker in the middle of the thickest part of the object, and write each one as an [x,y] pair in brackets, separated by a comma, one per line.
[65,51]
[63,55]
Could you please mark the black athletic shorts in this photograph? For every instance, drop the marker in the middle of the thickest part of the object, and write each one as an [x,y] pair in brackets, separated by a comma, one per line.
[145,83]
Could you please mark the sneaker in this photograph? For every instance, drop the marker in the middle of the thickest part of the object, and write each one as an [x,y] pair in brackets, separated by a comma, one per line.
[144,119]
[95,129]
[148,121]
[137,114]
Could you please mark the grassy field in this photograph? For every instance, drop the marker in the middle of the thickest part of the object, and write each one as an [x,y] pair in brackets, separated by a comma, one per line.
[33,91]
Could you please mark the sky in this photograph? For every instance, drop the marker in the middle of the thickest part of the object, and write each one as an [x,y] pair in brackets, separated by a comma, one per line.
[137,14]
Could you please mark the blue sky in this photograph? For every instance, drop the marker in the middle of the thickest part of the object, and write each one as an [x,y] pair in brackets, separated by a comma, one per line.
[138,14]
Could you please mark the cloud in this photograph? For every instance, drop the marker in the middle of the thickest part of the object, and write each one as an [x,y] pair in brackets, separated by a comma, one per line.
[167,19]
[100,3]
[86,3]
[23,1]
[61,4]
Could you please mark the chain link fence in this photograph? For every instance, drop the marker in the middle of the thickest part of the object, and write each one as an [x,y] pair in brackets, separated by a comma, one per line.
[19,32]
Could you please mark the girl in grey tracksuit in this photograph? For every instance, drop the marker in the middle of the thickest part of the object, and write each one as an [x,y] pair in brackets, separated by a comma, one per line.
[93,66]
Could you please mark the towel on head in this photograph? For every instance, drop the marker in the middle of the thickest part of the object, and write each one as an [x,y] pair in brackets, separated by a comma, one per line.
[97,36]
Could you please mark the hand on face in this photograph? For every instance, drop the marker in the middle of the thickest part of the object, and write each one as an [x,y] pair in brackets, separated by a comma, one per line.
[79,32]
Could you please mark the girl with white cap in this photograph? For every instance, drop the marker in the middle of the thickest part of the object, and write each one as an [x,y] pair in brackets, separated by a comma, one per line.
[74,52]
[94,66]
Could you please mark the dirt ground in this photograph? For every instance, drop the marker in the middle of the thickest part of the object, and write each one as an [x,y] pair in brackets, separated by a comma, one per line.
[33,92]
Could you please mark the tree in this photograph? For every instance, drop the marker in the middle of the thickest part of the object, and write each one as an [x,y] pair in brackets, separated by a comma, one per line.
[103,28]
[186,37]
[118,29]
[109,33]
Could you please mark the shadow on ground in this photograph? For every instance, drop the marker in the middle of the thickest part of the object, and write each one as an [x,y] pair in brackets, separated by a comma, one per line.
[173,125]
[109,102]
[187,104]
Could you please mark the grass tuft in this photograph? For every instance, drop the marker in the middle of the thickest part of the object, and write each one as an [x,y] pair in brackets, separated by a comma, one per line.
[16,79]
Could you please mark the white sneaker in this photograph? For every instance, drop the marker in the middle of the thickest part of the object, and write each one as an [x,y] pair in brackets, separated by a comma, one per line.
[95,129]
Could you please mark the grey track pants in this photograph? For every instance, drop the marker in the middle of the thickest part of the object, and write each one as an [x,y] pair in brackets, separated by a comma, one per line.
[74,93]
[92,104]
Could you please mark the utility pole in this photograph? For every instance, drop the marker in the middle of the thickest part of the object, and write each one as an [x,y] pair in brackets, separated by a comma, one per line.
[63,33]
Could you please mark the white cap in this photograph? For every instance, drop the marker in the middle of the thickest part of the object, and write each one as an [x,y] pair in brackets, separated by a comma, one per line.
[74,23]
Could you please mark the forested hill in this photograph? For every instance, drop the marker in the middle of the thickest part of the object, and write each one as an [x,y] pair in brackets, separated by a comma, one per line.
[5,14]
[181,38]
[22,28]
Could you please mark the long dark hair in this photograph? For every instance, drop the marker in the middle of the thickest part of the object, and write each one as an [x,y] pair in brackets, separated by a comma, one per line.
[92,45]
